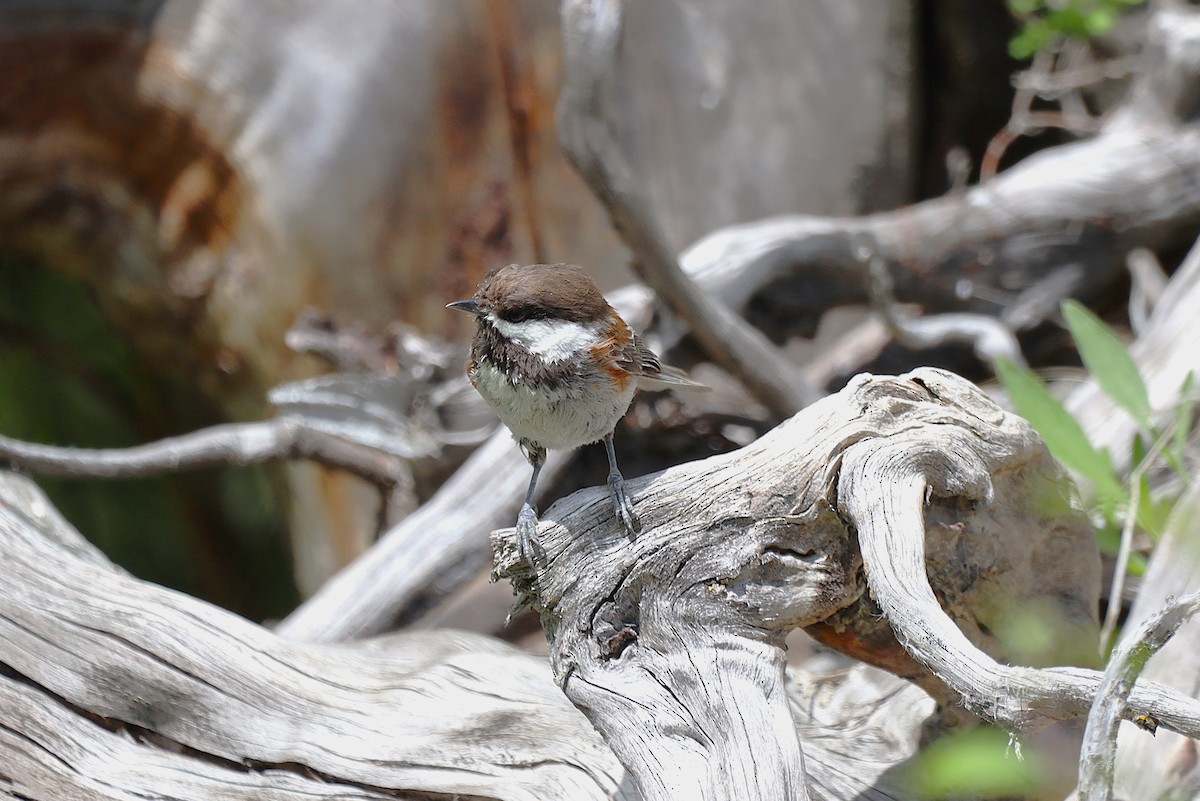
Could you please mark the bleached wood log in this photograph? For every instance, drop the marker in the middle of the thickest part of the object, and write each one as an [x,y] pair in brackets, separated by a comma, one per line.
[111,688]
[225,709]
[672,643]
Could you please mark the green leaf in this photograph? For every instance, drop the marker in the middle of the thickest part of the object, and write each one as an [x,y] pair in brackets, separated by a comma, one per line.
[1150,515]
[1032,37]
[1108,361]
[1043,21]
[1181,423]
[1108,537]
[1100,21]
[977,763]
[1061,432]
[1108,540]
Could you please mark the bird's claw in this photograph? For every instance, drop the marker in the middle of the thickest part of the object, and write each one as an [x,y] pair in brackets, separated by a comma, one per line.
[524,601]
[527,543]
[622,506]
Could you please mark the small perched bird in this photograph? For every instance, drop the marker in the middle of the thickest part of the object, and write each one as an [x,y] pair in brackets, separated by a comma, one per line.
[560,367]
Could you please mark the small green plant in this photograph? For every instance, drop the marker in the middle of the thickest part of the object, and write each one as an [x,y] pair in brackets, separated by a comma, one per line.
[984,762]
[1046,21]
[1119,501]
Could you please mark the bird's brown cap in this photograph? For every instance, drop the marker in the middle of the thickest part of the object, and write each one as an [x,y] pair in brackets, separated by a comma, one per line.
[541,291]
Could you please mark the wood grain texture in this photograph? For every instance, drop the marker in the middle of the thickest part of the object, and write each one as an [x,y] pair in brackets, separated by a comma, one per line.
[891,522]
[112,688]
[672,643]
[445,713]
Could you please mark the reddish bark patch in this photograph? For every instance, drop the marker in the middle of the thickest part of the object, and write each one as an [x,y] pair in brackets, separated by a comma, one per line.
[76,134]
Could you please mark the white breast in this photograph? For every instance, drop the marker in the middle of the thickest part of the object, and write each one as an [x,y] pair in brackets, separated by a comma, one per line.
[559,419]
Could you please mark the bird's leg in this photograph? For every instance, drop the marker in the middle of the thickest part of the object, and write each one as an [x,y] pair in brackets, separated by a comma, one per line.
[616,486]
[527,520]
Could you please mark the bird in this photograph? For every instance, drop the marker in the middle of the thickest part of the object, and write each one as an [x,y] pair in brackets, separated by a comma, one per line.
[559,366]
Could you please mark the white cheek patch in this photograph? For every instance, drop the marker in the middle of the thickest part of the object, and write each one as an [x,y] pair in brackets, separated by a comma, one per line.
[553,340]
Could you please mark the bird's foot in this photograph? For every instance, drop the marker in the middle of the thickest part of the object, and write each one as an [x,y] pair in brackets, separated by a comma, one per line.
[527,544]
[622,507]
[525,600]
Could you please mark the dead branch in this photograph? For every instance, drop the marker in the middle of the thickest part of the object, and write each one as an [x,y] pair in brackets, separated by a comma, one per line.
[427,555]
[236,443]
[990,337]
[672,643]
[591,35]
[114,688]
[1078,207]
[891,527]
[1166,764]
[1098,755]
[100,672]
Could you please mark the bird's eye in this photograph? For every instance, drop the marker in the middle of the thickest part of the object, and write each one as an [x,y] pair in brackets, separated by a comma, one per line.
[519,314]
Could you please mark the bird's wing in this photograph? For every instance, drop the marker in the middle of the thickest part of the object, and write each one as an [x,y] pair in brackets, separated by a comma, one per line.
[650,371]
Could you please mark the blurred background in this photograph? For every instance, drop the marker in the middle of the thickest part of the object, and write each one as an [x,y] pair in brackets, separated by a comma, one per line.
[181,179]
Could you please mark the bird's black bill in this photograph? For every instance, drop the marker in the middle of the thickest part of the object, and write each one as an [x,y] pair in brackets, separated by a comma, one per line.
[471,306]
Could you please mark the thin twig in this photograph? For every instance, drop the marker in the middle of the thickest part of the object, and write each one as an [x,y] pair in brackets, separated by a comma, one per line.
[1024,121]
[235,443]
[1098,753]
[990,337]
[591,33]
[1052,85]
[1113,612]
[1149,281]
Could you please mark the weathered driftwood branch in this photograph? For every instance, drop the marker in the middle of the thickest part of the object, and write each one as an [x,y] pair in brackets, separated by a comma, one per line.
[591,35]
[427,555]
[100,672]
[1097,758]
[112,688]
[1086,203]
[672,643]
[235,443]
[890,522]
[989,336]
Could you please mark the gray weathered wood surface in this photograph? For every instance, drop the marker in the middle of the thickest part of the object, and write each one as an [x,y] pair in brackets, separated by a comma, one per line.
[916,486]
[672,644]
[112,688]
